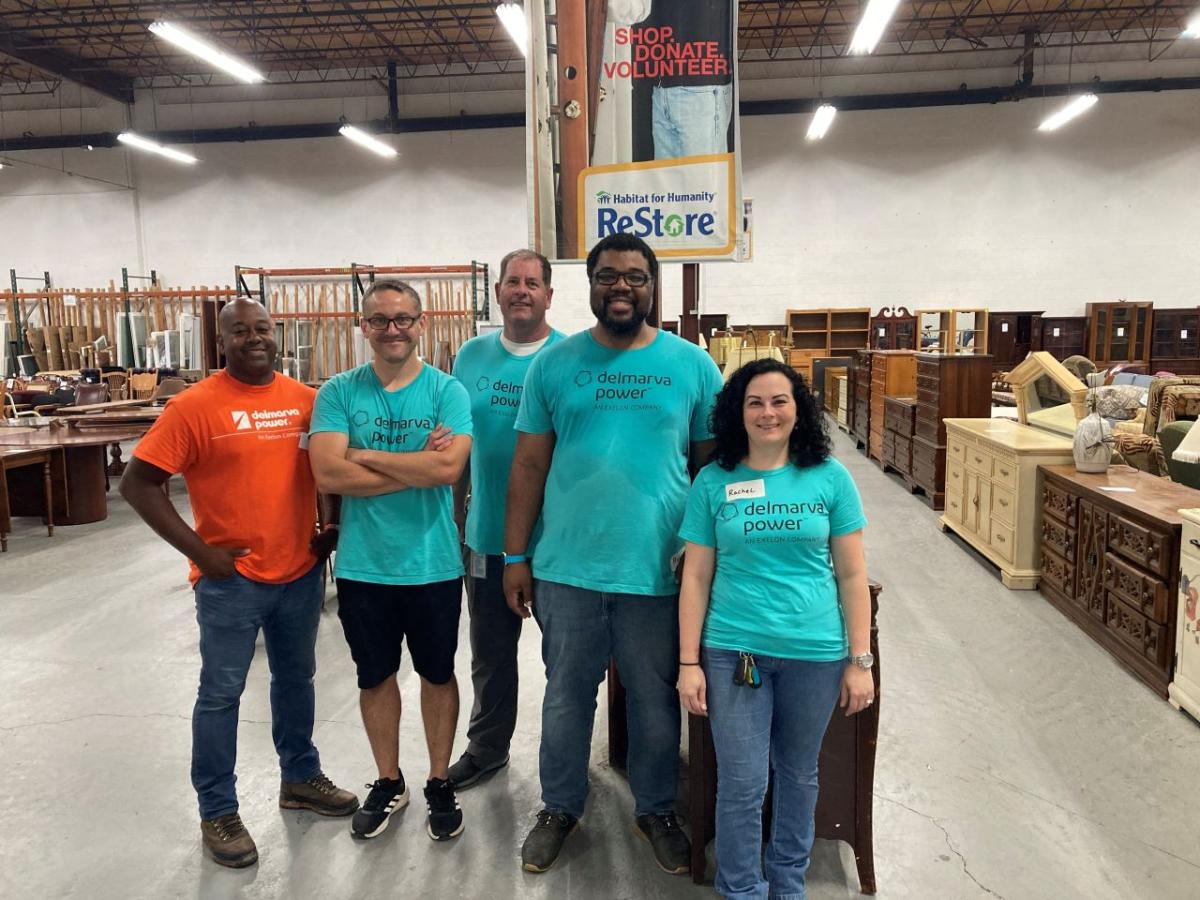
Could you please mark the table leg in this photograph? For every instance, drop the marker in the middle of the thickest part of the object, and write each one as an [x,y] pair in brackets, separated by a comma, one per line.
[49,497]
[5,521]
[117,466]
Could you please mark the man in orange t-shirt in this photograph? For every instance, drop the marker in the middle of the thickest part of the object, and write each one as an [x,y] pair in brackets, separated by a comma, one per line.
[239,438]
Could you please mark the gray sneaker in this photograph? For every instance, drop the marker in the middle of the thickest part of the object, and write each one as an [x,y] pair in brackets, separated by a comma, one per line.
[545,840]
[672,849]
[467,771]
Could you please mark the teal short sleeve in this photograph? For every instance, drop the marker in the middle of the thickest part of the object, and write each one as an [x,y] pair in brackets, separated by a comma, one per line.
[847,514]
[535,415]
[699,523]
[329,411]
[710,385]
[454,408]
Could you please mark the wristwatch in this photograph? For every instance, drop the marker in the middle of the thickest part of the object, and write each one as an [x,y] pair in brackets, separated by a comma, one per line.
[866,661]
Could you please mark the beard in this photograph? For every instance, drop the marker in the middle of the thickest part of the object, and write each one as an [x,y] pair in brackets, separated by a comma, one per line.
[623,327]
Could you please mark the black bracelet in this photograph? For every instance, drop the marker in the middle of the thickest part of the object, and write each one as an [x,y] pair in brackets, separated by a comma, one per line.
[689,664]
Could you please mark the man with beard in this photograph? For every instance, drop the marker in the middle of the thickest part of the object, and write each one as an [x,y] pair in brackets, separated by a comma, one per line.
[609,418]
[238,439]
[399,566]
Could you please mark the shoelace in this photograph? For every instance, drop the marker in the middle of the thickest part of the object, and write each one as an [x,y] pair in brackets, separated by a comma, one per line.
[229,827]
[549,818]
[379,796]
[441,798]
[322,783]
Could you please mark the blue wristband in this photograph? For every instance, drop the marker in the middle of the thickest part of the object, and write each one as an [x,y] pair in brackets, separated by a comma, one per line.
[510,558]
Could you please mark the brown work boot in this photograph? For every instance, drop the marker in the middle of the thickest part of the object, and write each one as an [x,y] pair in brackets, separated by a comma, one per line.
[228,841]
[318,794]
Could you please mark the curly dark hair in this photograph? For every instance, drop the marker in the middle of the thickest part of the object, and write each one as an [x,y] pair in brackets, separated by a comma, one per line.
[809,441]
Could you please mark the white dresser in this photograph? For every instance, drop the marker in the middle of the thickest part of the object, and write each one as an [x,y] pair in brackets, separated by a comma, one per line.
[1184,690]
[993,491]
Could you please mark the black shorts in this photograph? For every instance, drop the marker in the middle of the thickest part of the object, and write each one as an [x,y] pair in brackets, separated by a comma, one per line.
[376,618]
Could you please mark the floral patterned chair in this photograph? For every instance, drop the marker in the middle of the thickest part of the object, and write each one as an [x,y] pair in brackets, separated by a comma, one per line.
[1170,399]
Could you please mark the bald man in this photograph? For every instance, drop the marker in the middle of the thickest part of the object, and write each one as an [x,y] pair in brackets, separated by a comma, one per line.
[239,439]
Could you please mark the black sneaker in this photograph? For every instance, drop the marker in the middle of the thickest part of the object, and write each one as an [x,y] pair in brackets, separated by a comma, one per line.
[445,818]
[545,840]
[672,849]
[467,771]
[387,796]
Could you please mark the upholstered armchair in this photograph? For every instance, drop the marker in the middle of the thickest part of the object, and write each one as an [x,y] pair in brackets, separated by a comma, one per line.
[1170,399]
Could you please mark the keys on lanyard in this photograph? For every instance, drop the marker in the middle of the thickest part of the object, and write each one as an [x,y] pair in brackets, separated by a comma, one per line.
[746,671]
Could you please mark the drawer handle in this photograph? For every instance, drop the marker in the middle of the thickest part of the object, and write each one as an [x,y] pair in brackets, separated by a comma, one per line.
[1004,472]
[1003,502]
[1194,542]
[1000,537]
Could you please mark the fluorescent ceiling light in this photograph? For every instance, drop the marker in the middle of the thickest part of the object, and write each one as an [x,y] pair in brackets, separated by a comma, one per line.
[1192,29]
[870,29]
[1079,105]
[363,139]
[821,121]
[141,143]
[210,53]
[512,15]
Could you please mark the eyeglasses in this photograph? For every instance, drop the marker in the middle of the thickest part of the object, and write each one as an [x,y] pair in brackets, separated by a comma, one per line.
[609,277]
[402,323]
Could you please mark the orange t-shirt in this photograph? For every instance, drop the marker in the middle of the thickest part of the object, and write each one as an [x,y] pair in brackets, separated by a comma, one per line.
[241,450]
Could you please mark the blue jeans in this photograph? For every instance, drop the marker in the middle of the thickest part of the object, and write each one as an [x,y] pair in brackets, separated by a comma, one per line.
[230,612]
[691,121]
[581,630]
[780,727]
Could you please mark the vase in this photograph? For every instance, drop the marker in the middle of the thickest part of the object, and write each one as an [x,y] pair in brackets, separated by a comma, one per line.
[1093,444]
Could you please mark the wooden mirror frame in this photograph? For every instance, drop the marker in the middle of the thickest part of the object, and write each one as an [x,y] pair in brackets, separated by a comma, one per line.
[1034,366]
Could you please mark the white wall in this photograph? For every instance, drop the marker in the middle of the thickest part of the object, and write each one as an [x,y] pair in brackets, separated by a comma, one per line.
[964,206]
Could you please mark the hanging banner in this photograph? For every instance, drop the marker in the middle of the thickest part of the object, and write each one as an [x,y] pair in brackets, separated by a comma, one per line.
[632,119]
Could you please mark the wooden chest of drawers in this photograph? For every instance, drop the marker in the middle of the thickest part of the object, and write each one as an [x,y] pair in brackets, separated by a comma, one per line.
[1110,561]
[898,422]
[893,372]
[948,386]
[860,420]
[842,408]
[993,494]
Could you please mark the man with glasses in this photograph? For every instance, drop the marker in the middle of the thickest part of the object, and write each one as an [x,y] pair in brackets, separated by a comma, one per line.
[492,368]
[608,421]
[391,437]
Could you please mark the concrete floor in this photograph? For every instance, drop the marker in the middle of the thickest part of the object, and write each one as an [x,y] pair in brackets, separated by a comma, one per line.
[1016,759]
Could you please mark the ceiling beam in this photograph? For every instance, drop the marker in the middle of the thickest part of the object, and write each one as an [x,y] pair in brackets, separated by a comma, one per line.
[47,58]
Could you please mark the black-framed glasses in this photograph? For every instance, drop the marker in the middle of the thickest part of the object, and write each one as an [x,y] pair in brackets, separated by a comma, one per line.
[402,323]
[608,277]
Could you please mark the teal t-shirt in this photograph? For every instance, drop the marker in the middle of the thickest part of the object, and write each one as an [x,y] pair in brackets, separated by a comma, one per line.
[494,379]
[407,537]
[774,591]
[623,422]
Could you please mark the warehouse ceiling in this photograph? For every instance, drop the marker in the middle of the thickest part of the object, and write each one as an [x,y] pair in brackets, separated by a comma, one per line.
[106,46]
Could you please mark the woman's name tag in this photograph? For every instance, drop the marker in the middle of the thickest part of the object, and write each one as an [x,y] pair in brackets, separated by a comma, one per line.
[745,490]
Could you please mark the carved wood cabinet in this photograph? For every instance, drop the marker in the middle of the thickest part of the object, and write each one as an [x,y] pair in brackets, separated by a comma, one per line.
[860,419]
[899,425]
[893,372]
[1110,561]
[949,386]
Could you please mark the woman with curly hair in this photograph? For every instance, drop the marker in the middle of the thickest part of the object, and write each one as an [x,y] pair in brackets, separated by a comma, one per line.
[774,618]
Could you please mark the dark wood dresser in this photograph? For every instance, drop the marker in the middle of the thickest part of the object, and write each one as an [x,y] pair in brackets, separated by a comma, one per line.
[949,386]
[899,425]
[1110,561]
[861,400]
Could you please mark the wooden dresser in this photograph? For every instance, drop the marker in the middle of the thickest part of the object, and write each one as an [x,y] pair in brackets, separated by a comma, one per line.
[1110,561]
[860,423]
[993,491]
[949,386]
[893,373]
[899,423]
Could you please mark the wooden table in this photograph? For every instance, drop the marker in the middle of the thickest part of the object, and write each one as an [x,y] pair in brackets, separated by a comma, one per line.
[846,772]
[50,462]
[91,408]
[86,479]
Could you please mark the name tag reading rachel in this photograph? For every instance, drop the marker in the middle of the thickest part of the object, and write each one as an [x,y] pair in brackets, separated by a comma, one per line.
[743,490]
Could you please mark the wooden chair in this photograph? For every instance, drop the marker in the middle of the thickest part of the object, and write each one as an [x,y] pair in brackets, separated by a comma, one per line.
[168,387]
[142,387]
[118,385]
